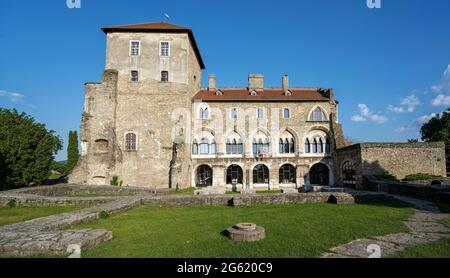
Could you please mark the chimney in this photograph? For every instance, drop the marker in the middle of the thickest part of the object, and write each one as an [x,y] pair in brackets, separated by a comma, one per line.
[285,83]
[212,82]
[255,82]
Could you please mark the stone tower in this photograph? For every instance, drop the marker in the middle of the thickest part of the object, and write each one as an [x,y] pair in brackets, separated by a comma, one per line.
[129,128]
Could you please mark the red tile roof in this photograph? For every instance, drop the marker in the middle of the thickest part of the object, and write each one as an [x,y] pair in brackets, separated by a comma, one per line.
[157,27]
[268,95]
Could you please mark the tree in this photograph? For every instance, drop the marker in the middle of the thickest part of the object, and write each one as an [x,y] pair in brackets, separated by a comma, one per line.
[72,152]
[27,150]
[438,129]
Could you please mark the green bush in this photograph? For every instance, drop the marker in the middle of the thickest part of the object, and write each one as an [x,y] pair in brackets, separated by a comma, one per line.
[103,214]
[387,177]
[12,203]
[115,181]
[27,150]
[421,176]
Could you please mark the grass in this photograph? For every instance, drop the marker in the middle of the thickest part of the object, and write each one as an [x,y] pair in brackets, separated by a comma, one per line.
[436,249]
[421,176]
[19,214]
[301,230]
[186,191]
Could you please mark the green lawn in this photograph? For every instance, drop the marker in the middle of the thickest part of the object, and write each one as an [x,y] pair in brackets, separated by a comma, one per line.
[437,249]
[303,230]
[19,214]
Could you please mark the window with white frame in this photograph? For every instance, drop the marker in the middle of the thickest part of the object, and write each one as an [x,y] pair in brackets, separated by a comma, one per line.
[203,113]
[317,115]
[286,113]
[135,48]
[134,76]
[130,141]
[164,49]
[260,113]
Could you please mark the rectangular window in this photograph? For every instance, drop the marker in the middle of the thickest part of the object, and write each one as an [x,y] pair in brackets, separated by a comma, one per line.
[135,48]
[260,113]
[134,76]
[234,113]
[164,76]
[286,113]
[164,49]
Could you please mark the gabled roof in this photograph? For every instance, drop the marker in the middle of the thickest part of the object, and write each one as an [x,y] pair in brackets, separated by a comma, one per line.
[266,95]
[157,27]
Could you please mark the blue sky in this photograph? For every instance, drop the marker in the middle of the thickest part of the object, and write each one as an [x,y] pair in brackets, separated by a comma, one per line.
[389,67]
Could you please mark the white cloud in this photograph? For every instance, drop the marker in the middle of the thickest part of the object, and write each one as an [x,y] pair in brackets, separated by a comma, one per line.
[14,97]
[400,129]
[365,115]
[396,109]
[426,118]
[441,100]
[411,102]
[443,86]
[358,118]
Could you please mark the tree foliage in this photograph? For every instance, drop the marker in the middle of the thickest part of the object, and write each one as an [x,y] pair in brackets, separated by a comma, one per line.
[438,129]
[72,152]
[27,150]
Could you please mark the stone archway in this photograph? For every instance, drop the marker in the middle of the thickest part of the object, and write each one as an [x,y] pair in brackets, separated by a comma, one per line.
[204,176]
[319,174]
[234,174]
[260,174]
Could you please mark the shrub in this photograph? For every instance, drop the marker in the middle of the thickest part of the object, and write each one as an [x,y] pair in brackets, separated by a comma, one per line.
[420,176]
[103,214]
[27,150]
[115,181]
[387,177]
[12,203]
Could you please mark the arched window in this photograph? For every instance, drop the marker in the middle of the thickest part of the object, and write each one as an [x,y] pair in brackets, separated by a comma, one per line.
[261,174]
[204,113]
[213,146]
[260,145]
[320,143]
[204,146]
[287,143]
[195,147]
[234,144]
[317,115]
[327,146]
[286,113]
[307,146]
[315,146]
[130,142]
[234,174]
[288,174]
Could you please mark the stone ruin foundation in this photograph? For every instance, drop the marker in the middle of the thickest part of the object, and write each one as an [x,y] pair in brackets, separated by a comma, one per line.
[246,232]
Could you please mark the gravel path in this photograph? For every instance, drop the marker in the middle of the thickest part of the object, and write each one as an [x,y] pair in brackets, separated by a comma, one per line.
[424,227]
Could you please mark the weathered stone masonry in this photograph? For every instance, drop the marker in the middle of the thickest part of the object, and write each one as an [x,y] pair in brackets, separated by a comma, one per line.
[151,124]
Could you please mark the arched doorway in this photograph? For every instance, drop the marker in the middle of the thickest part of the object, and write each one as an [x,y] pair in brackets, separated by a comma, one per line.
[204,176]
[234,174]
[319,174]
[261,174]
[348,174]
[288,174]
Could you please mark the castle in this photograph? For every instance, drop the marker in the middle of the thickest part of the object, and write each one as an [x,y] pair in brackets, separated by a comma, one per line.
[149,123]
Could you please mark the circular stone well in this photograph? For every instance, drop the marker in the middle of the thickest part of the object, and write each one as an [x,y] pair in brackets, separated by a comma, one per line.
[246,232]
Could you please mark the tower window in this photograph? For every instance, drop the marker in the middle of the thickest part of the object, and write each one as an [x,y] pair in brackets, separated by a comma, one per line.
[134,76]
[164,76]
[135,48]
[165,49]
[286,113]
[130,141]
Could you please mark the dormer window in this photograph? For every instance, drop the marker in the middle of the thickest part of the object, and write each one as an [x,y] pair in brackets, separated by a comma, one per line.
[287,93]
[164,49]
[253,93]
[135,48]
[219,93]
